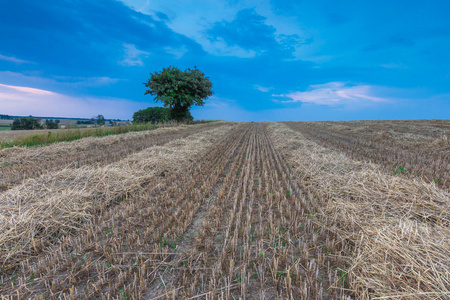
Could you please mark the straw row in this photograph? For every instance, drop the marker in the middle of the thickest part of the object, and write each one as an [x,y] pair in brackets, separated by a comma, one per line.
[43,209]
[134,237]
[20,163]
[396,229]
[404,148]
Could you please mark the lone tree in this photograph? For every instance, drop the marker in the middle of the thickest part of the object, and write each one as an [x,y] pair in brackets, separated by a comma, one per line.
[100,120]
[179,90]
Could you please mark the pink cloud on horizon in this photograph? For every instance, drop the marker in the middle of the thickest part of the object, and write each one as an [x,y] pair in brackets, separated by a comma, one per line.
[22,101]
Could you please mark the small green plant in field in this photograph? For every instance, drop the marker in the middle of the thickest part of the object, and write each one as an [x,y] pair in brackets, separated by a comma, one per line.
[122,293]
[32,276]
[399,171]
[343,276]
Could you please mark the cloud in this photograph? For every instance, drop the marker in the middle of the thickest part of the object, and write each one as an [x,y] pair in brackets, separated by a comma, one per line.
[69,37]
[86,81]
[177,52]
[133,56]
[250,32]
[394,66]
[334,93]
[26,90]
[14,60]
[9,77]
[262,89]
[19,100]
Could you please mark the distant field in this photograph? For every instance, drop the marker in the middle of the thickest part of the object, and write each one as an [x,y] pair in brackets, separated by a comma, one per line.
[286,210]
[47,136]
[4,126]
[12,134]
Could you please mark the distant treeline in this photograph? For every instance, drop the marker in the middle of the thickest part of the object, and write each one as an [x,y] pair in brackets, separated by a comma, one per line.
[82,120]
[6,117]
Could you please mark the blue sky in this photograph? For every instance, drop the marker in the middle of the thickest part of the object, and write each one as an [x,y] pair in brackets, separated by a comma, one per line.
[268,60]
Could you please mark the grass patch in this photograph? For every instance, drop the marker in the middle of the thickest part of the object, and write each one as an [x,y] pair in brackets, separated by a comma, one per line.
[5,126]
[68,135]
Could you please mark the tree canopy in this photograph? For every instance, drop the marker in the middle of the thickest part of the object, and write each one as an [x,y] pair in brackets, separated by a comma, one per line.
[152,115]
[25,124]
[50,124]
[100,120]
[179,90]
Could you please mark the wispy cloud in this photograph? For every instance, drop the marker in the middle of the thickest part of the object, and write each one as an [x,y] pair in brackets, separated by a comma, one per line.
[19,100]
[262,88]
[177,52]
[334,93]
[133,56]
[87,81]
[394,66]
[14,59]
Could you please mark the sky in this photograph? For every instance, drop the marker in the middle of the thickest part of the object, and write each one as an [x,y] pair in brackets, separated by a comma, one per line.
[268,60]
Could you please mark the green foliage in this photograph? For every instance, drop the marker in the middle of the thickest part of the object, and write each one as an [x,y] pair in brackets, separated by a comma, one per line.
[25,124]
[151,115]
[6,117]
[179,90]
[100,120]
[51,124]
[90,121]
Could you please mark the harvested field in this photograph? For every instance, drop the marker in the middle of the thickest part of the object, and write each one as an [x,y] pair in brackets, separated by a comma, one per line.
[18,163]
[222,211]
[418,148]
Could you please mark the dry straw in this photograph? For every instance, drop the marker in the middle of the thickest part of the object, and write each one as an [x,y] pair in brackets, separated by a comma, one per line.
[398,228]
[19,163]
[40,210]
[21,154]
[409,148]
